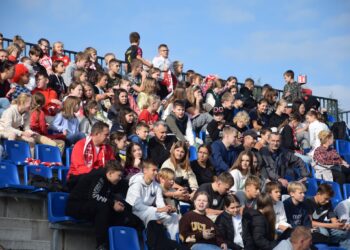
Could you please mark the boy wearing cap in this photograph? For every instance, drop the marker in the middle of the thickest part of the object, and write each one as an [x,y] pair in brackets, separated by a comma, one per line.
[20,79]
[249,140]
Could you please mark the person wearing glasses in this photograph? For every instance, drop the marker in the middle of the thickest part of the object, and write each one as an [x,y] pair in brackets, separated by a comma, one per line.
[216,125]
[45,61]
[163,63]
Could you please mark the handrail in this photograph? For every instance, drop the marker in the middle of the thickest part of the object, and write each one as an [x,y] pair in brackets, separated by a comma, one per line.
[344,116]
[328,103]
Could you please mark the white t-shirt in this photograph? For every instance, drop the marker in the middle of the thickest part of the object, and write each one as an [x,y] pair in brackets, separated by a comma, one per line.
[237,226]
[239,180]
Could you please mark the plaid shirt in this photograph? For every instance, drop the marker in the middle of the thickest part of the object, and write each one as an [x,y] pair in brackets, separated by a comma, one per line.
[326,156]
[19,90]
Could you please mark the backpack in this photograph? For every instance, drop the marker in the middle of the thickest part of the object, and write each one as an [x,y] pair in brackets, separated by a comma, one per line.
[340,131]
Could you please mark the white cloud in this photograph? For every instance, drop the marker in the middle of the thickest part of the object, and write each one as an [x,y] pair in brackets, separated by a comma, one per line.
[306,45]
[228,12]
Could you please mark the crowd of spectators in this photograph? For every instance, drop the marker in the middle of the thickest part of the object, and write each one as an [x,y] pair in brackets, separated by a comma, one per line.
[134,126]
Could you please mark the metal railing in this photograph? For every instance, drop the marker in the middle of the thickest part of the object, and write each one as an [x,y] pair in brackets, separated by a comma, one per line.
[328,103]
[344,116]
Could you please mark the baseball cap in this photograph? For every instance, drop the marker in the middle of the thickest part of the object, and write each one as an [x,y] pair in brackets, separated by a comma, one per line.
[250,132]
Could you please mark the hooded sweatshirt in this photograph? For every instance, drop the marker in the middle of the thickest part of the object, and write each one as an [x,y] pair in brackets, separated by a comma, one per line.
[142,196]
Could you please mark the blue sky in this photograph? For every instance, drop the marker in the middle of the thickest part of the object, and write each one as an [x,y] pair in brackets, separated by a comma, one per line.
[258,39]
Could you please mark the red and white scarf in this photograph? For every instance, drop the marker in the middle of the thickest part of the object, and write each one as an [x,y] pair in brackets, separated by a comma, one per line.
[89,151]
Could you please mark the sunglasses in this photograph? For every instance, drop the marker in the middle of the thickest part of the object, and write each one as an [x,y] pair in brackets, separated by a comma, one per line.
[218,109]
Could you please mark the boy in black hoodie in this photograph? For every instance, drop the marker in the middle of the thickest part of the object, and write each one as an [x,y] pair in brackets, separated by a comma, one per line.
[93,199]
[247,92]
[180,124]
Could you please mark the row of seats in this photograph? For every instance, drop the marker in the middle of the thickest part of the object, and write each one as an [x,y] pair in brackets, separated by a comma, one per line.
[18,151]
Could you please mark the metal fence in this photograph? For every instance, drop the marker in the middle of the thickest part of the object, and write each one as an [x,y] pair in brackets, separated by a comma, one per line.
[344,116]
[328,103]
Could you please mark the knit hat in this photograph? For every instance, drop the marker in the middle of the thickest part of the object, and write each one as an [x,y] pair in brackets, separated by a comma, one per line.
[307,92]
[20,70]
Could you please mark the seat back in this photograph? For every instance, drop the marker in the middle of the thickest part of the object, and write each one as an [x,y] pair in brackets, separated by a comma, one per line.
[56,204]
[46,153]
[193,153]
[68,156]
[121,238]
[17,151]
[346,189]
[342,146]
[311,187]
[38,170]
[8,174]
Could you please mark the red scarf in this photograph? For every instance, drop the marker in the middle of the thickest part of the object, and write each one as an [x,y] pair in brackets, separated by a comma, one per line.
[89,150]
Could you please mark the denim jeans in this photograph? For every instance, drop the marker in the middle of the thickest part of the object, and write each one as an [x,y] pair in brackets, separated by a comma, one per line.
[204,246]
[4,104]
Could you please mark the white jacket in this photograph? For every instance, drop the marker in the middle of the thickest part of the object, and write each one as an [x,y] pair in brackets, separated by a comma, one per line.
[281,218]
[315,128]
[142,196]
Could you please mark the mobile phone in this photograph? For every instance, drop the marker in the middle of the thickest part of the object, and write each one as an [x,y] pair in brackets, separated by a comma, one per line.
[344,221]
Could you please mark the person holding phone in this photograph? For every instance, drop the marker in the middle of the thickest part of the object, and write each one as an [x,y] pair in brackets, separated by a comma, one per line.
[324,219]
[197,231]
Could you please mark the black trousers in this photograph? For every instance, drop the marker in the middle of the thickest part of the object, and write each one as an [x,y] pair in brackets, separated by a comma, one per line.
[103,216]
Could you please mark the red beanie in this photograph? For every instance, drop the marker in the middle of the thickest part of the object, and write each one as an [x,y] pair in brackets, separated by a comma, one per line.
[307,92]
[20,70]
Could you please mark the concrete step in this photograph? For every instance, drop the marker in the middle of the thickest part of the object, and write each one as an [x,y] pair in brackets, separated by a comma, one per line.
[15,233]
[38,228]
[25,244]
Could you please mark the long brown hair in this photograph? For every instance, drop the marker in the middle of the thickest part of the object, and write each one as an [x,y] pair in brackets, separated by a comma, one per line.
[264,204]
[238,163]
[38,101]
[179,94]
[69,105]
[184,163]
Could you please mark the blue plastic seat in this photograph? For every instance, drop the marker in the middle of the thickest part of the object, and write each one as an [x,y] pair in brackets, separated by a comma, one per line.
[37,170]
[346,189]
[9,178]
[337,193]
[311,187]
[47,153]
[56,207]
[342,147]
[184,207]
[68,156]
[202,136]
[193,153]
[331,119]
[121,238]
[17,152]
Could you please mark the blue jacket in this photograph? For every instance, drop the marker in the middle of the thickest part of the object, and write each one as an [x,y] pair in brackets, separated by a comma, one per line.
[143,144]
[297,215]
[221,158]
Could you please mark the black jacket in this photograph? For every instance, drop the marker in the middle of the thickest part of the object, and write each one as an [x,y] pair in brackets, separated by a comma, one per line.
[159,152]
[248,98]
[92,188]
[256,235]
[287,139]
[225,228]
[281,163]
